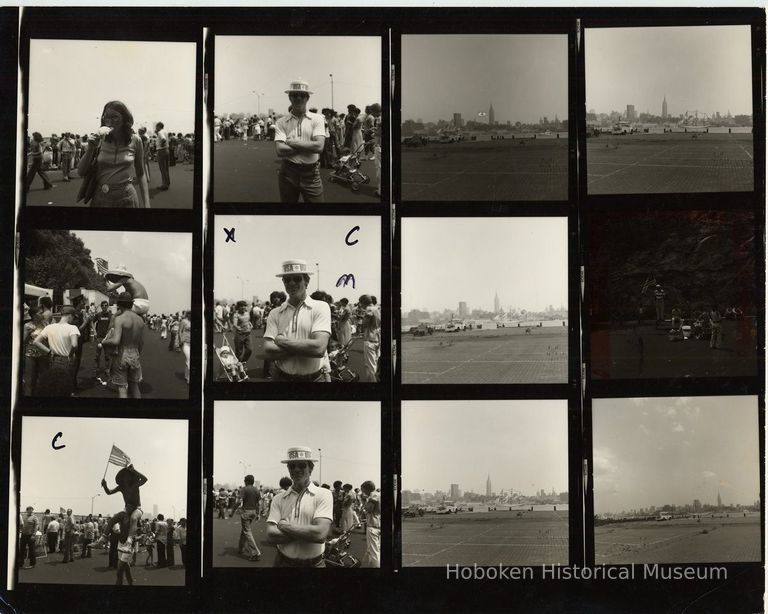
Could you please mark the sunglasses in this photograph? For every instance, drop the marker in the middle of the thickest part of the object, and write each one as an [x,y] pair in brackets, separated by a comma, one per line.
[298,95]
[292,466]
[294,278]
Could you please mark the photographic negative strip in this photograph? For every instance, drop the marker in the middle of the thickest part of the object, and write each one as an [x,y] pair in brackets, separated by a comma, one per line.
[127,526]
[484,300]
[308,495]
[484,117]
[484,482]
[669,109]
[672,293]
[676,480]
[289,129]
[106,314]
[295,298]
[119,135]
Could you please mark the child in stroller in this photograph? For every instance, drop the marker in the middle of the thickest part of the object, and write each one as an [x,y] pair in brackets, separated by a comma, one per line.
[233,368]
[347,169]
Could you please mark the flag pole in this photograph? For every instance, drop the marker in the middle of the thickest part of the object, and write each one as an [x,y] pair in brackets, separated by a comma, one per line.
[107,467]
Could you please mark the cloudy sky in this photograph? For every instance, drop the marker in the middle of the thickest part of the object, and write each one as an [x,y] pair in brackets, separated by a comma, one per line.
[70,476]
[704,68]
[253,436]
[654,451]
[265,65]
[161,261]
[447,260]
[155,80]
[523,445]
[247,266]
[524,76]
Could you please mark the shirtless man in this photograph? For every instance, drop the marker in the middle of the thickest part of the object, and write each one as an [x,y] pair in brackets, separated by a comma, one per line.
[128,337]
[128,483]
[120,277]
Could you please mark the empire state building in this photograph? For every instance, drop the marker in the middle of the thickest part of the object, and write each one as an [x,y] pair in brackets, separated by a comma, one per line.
[491,116]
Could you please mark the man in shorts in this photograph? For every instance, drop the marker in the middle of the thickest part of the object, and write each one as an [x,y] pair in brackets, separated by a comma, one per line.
[128,338]
[120,277]
[128,483]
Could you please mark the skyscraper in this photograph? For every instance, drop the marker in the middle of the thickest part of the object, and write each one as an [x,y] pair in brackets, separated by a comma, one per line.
[719,501]
[488,486]
[455,492]
[496,304]
[457,122]
[491,116]
[630,112]
[664,108]
[463,309]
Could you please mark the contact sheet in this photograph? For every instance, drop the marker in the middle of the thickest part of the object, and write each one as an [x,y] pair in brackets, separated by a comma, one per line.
[373,307]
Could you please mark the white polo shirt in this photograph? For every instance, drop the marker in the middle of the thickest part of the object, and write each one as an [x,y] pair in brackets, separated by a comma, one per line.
[305,129]
[301,509]
[300,323]
[60,337]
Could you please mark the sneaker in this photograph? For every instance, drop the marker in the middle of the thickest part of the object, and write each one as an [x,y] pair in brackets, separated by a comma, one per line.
[255,557]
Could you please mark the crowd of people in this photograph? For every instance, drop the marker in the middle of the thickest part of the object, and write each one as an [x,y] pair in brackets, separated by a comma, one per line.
[117,156]
[53,348]
[347,321]
[344,507]
[75,537]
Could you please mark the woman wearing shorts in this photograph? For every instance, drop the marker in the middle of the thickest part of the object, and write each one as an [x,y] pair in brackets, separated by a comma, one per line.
[120,170]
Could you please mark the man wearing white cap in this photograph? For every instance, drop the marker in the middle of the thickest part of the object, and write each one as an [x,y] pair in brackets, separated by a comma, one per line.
[297,331]
[300,518]
[299,141]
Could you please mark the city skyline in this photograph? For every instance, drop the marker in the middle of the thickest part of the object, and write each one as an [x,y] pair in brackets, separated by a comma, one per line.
[127,71]
[655,451]
[160,261]
[245,86]
[70,475]
[448,260]
[696,67]
[524,76]
[248,266]
[522,444]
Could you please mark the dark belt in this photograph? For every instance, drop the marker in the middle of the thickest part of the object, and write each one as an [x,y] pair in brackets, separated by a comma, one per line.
[301,562]
[57,358]
[300,166]
[299,378]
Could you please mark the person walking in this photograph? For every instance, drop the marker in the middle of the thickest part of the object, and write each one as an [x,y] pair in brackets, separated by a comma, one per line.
[249,511]
[36,163]
[163,156]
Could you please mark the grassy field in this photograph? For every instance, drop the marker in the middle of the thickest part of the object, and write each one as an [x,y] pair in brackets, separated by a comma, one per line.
[678,162]
[487,356]
[486,170]
[712,540]
[486,538]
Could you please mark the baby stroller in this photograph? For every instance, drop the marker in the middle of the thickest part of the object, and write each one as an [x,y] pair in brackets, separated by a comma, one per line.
[337,552]
[339,370]
[347,170]
[233,369]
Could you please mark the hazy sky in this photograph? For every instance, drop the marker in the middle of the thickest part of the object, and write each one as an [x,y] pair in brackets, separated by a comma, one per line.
[657,451]
[250,65]
[161,261]
[525,76]
[704,68]
[447,260]
[69,477]
[523,445]
[263,242]
[253,436]
[155,80]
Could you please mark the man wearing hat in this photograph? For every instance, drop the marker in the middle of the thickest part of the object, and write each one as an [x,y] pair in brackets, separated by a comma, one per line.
[300,518]
[62,339]
[128,337]
[658,299]
[297,331]
[299,141]
[120,277]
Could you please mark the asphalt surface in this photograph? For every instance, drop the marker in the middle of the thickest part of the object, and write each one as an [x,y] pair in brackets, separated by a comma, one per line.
[226,536]
[247,172]
[486,170]
[255,364]
[64,194]
[162,370]
[95,570]
[646,352]
[678,162]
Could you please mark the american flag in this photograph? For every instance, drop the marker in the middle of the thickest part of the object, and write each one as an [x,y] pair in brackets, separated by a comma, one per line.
[102,266]
[118,457]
